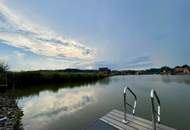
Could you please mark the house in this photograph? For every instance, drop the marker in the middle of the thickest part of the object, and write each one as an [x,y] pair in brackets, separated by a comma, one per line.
[104,70]
[178,70]
[182,70]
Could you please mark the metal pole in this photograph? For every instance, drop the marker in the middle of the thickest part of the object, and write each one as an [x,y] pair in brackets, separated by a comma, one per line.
[125,107]
[153,115]
[154,112]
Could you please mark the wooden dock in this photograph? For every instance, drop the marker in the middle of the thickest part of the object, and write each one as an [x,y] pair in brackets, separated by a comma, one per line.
[114,121]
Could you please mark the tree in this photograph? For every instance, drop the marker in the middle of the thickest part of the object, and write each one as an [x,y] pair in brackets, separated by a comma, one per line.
[3,67]
[165,69]
[3,75]
[185,66]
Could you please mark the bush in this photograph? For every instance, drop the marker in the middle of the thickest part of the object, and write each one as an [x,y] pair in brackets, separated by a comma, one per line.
[3,67]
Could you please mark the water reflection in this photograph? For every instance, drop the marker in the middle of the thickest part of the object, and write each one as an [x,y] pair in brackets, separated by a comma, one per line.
[49,106]
[104,81]
[73,107]
[28,91]
[185,79]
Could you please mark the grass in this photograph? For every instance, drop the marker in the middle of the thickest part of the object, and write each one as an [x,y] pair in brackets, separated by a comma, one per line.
[21,79]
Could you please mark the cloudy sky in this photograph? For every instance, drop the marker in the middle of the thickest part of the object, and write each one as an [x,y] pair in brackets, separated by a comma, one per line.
[85,34]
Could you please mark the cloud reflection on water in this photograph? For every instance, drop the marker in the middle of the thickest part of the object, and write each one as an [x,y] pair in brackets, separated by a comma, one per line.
[50,106]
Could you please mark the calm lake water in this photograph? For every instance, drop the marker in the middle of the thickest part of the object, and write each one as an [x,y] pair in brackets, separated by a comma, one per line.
[77,107]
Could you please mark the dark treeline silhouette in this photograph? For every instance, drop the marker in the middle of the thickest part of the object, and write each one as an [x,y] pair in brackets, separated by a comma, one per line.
[20,79]
[178,70]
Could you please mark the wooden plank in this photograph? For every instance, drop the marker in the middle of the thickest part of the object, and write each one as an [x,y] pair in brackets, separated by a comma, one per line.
[114,123]
[117,124]
[130,123]
[133,117]
[147,126]
[100,125]
[115,119]
[110,123]
[159,126]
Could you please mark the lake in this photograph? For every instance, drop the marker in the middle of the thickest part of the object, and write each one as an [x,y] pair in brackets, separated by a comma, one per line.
[77,106]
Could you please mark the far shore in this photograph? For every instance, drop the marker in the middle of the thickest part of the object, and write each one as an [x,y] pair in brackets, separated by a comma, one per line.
[10,79]
[28,78]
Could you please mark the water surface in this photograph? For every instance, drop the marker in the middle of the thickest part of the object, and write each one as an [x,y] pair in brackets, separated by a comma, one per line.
[77,107]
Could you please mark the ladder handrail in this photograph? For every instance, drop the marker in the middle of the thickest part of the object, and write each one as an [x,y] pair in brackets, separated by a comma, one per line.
[154,112]
[126,103]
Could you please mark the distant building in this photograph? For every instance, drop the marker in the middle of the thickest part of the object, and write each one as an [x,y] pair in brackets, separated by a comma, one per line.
[178,70]
[105,70]
[181,70]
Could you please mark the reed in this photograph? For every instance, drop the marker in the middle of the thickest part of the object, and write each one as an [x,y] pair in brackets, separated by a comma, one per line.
[27,78]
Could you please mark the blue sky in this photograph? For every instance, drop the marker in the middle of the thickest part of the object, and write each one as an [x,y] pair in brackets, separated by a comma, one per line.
[120,34]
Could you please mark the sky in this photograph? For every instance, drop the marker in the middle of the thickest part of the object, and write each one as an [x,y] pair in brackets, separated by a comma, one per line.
[88,34]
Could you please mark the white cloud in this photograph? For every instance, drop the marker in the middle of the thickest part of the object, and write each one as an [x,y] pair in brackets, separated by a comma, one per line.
[18,32]
[4,58]
[19,55]
[24,63]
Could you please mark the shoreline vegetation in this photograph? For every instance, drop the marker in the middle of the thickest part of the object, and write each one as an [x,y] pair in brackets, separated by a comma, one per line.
[30,78]
[10,79]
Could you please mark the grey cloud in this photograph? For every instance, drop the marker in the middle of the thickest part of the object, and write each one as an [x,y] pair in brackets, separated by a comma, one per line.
[139,59]
[139,62]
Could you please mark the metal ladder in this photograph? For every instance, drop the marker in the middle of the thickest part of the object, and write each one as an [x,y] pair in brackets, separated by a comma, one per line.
[155,113]
[126,103]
